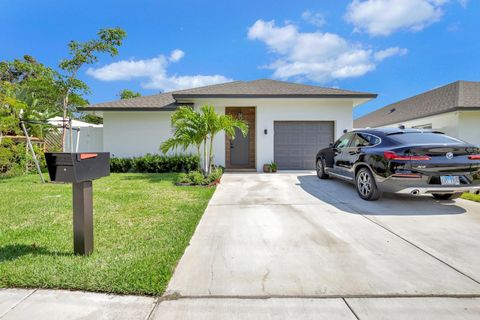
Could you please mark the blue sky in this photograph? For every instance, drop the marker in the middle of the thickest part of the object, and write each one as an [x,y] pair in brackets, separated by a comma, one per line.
[396,48]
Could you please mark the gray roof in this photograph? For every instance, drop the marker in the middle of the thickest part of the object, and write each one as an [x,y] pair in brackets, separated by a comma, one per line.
[460,95]
[264,88]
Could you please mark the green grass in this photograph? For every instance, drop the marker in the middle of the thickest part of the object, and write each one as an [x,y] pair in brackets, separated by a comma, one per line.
[142,223]
[471,196]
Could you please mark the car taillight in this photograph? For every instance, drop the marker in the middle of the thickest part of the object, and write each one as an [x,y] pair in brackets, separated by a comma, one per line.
[390,155]
[474,157]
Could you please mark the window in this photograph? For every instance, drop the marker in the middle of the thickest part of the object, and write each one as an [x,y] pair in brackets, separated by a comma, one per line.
[364,140]
[343,141]
[423,138]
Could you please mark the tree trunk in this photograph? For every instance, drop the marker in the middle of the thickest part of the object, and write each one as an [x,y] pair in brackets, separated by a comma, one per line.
[205,158]
[199,163]
[210,157]
[64,124]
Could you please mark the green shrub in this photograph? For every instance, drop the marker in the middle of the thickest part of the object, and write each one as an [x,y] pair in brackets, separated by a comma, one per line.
[216,174]
[196,177]
[183,178]
[151,163]
[15,161]
[121,165]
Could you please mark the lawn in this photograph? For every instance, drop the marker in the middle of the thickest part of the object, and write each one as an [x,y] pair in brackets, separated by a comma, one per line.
[471,196]
[143,223]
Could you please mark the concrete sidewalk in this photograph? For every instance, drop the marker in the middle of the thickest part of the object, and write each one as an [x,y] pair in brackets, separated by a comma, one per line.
[60,304]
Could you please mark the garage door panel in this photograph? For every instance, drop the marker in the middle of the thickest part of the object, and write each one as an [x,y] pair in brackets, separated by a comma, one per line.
[297,142]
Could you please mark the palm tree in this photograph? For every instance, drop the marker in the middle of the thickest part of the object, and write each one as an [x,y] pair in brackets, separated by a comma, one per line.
[197,128]
[189,128]
[217,123]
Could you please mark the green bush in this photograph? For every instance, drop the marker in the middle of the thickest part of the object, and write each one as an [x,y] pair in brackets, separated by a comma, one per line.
[197,178]
[216,174]
[151,163]
[121,165]
[15,161]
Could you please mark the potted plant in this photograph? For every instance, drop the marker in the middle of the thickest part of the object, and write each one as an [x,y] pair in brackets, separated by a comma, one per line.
[273,166]
[266,168]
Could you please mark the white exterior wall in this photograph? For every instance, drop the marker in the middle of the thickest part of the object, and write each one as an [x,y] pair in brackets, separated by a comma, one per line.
[269,110]
[464,125]
[135,133]
[469,126]
[91,139]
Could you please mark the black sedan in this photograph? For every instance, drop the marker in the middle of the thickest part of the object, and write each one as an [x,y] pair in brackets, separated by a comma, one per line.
[406,161]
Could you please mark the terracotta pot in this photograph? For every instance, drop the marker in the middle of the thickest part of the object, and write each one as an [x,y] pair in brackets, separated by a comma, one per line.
[266,168]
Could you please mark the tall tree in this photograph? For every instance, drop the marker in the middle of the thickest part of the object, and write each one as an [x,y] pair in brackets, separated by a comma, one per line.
[82,53]
[128,94]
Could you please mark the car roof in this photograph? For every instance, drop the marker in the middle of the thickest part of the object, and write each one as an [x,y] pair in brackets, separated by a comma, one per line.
[388,131]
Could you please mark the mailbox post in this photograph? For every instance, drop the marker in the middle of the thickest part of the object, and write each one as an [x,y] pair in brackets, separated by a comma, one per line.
[80,169]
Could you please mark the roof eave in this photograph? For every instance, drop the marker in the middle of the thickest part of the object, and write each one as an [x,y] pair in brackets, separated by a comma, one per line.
[273,96]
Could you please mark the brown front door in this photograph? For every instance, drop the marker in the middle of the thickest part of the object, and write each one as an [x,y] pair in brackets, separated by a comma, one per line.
[240,152]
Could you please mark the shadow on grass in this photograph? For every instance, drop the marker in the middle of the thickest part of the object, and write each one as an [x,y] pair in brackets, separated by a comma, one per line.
[15,251]
[152,177]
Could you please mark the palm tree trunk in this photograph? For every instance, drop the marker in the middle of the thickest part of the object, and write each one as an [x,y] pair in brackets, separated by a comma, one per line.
[205,158]
[210,157]
[199,163]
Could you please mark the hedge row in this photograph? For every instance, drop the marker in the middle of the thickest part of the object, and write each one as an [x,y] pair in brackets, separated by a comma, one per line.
[151,163]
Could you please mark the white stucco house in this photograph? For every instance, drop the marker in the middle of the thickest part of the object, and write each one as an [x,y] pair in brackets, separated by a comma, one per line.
[453,109]
[288,122]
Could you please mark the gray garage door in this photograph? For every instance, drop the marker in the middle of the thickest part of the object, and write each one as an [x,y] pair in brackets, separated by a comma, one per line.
[297,142]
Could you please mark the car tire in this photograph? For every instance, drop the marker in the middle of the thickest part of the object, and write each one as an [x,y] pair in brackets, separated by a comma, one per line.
[446,196]
[366,186]
[320,166]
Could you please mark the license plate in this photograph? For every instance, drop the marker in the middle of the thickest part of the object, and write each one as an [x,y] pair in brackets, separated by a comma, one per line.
[450,180]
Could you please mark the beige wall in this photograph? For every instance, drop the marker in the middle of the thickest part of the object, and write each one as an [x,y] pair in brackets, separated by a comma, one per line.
[464,125]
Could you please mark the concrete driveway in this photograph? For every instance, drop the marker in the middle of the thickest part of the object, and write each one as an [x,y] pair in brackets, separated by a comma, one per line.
[290,245]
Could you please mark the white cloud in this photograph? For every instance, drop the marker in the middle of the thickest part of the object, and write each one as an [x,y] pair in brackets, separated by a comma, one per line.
[155,71]
[315,18]
[383,17]
[176,55]
[394,51]
[316,56]
[126,70]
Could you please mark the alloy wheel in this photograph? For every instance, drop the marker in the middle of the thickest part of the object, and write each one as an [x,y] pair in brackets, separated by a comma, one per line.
[364,183]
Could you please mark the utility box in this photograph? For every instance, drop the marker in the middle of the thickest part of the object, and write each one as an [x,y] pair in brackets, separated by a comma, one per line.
[80,169]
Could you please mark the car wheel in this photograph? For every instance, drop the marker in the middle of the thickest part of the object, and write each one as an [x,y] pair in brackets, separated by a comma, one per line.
[321,169]
[446,196]
[366,186]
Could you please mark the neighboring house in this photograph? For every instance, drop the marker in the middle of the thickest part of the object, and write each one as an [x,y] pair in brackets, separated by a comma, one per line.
[453,109]
[288,122]
[85,136]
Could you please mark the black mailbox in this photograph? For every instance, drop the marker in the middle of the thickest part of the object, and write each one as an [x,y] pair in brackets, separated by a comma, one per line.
[77,167]
[80,169]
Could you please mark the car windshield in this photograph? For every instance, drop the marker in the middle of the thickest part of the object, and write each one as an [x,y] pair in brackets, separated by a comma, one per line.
[423,138]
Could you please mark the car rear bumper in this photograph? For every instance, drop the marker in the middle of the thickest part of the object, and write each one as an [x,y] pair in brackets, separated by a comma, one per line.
[421,186]
[440,190]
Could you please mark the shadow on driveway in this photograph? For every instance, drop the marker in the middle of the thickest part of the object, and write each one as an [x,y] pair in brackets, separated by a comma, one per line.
[343,196]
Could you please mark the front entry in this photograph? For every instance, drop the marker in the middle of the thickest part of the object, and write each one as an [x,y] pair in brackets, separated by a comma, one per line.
[240,152]
[239,149]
